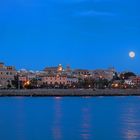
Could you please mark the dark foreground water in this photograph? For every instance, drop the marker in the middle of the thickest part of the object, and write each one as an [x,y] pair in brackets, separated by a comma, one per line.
[74,118]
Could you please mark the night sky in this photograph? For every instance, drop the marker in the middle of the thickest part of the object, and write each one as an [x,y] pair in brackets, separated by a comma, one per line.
[82,33]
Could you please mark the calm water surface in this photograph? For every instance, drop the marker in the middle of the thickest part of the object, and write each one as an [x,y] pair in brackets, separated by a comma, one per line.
[70,118]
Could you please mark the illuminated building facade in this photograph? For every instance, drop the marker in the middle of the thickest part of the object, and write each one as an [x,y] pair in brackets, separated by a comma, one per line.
[7,74]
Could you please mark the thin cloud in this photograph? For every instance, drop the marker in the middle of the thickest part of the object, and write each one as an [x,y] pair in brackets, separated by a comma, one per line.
[94,13]
[80,1]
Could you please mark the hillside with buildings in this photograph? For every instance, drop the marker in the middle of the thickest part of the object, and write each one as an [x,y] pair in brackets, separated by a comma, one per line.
[60,77]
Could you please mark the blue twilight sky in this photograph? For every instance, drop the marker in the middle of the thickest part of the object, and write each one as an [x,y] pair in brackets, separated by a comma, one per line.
[83,33]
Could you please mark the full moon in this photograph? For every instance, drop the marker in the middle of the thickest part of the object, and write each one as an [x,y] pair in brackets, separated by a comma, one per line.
[132,54]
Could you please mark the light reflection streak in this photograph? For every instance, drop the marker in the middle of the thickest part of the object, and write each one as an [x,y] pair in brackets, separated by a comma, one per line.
[86,124]
[20,120]
[131,123]
[57,132]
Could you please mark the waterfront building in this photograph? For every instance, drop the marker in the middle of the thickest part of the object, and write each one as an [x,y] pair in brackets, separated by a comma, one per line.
[57,80]
[136,80]
[23,78]
[7,74]
[22,75]
[71,80]
[54,70]
[54,79]
[58,76]
[69,71]
[104,73]
[54,76]
[129,82]
[25,75]
[81,73]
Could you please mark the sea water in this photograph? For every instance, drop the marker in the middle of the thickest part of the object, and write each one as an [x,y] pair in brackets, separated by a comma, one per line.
[70,118]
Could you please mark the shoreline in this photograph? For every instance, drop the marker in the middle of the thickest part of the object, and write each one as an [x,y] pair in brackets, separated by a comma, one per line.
[70,92]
